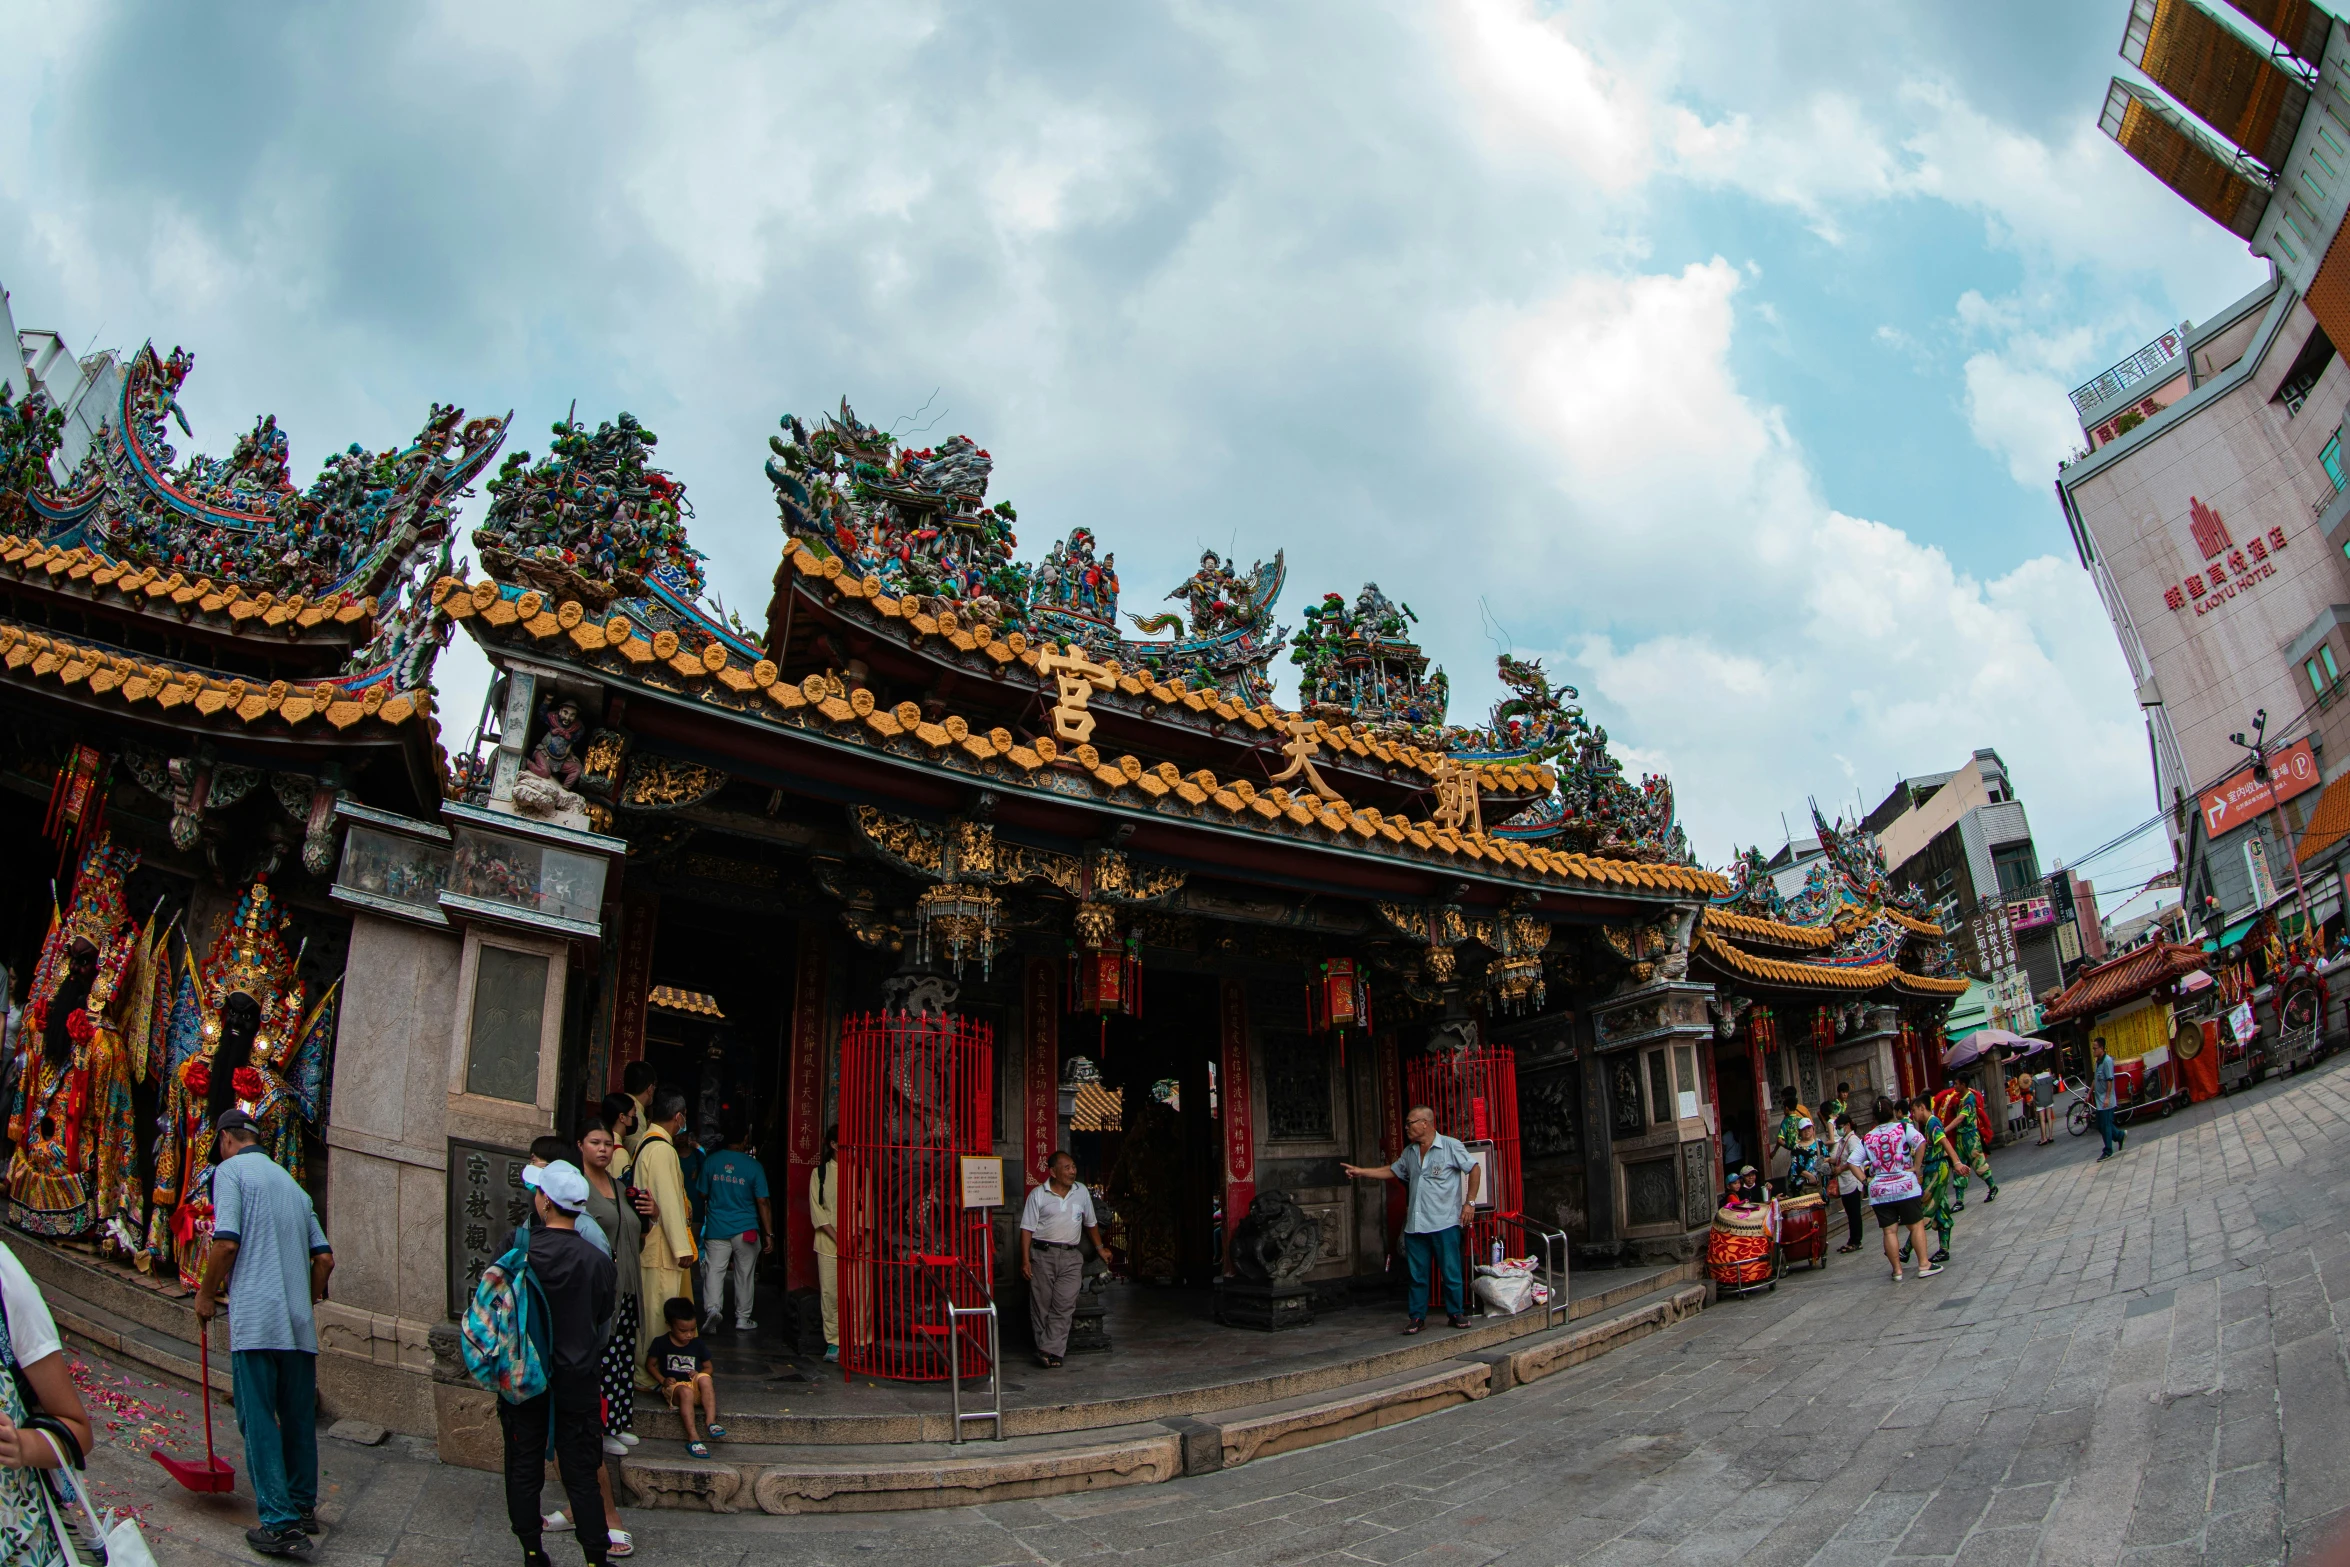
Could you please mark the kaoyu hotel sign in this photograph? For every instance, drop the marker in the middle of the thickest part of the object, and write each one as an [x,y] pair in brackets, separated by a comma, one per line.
[2230,570]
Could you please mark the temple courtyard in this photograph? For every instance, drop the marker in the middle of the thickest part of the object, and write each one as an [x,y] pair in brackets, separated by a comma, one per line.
[2138,1361]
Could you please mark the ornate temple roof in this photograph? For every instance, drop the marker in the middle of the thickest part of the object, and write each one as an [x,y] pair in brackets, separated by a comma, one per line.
[229,548]
[1845,923]
[2132,976]
[753,690]
[190,695]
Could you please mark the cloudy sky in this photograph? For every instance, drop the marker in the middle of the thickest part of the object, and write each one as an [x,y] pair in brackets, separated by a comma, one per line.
[1718,361]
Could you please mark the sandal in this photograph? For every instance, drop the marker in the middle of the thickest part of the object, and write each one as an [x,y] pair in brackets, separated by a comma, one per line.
[1416,1325]
[715,1431]
[698,1449]
[620,1544]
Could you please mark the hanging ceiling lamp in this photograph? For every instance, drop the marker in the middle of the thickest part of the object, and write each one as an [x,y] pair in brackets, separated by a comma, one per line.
[960,918]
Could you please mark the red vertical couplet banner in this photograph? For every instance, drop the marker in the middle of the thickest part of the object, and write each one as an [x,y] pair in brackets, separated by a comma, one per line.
[640,915]
[1041,1080]
[1391,1108]
[1240,1132]
[804,1131]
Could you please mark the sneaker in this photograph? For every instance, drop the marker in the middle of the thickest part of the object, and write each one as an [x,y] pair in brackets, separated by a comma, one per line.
[832,1352]
[628,1437]
[308,1523]
[278,1542]
[1929,1270]
[556,1523]
[1939,1257]
[1416,1325]
[615,1447]
[1457,1322]
[1991,1197]
[2101,1158]
[711,1322]
[746,1326]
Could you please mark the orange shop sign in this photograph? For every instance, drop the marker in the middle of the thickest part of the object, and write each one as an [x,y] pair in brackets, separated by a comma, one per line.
[2293,771]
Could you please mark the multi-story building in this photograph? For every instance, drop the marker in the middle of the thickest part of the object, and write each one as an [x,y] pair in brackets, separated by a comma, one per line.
[2211,509]
[87,387]
[1962,840]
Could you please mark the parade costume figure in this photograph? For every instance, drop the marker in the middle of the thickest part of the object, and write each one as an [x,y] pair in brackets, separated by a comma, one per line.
[71,1118]
[238,1036]
[1964,1115]
[1936,1175]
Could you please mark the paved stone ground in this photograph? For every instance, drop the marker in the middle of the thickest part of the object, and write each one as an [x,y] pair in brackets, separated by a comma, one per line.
[2132,1362]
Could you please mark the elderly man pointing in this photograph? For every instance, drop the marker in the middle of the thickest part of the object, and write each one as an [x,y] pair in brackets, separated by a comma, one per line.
[1441,1177]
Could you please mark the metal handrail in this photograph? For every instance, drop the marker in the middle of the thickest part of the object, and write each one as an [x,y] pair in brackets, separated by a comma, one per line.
[1554,1244]
[995,1358]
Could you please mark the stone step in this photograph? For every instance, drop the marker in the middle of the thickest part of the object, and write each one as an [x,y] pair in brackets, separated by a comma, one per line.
[121,1314]
[830,1478]
[1384,1355]
[893,1476]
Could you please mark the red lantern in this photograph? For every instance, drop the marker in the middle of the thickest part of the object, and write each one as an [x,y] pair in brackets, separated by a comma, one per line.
[1338,997]
[1105,971]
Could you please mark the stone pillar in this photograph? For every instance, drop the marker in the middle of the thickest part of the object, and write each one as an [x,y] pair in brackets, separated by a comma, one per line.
[640,918]
[387,1157]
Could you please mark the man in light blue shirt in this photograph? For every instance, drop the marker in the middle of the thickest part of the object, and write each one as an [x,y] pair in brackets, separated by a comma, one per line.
[1440,1178]
[271,1259]
[2101,1099]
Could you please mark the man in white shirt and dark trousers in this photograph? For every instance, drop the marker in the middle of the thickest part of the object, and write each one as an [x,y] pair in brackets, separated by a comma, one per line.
[1441,1178]
[1056,1215]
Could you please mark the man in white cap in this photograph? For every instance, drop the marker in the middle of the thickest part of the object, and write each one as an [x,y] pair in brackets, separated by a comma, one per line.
[577,1289]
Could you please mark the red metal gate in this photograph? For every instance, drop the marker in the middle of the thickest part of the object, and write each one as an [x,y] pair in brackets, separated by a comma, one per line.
[1475,1096]
[913,1101]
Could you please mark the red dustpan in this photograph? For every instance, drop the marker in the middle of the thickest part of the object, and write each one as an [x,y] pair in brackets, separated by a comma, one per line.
[213,1474]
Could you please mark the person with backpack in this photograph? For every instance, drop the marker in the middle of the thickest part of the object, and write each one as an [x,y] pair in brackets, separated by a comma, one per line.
[566,1291]
[37,1396]
[271,1259]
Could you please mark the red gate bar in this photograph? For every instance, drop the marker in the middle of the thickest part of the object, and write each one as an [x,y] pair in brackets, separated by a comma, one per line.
[1475,1096]
[913,1101]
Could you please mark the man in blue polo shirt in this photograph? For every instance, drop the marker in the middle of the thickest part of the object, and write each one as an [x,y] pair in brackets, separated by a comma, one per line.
[271,1260]
[1441,1177]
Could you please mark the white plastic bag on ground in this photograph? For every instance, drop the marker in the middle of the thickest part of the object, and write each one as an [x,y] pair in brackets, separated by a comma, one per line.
[1512,1287]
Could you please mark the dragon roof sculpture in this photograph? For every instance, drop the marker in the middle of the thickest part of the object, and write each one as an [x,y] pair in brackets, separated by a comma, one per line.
[360,527]
[1595,808]
[916,521]
[1359,665]
[1847,908]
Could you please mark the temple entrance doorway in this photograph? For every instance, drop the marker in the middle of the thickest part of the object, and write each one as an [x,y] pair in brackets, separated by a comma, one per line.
[1146,1134]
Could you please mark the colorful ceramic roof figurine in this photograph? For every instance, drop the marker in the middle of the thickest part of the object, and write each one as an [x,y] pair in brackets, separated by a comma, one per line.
[1359,665]
[594,513]
[1848,929]
[240,518]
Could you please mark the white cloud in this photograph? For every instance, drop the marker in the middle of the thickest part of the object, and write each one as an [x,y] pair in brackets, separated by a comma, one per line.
[1544,94]
[1794,634]
[2023,415]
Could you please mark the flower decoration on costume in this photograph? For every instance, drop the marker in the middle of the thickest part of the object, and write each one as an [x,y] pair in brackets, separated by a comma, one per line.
[199,1076]
[248,1085]
[78,1026]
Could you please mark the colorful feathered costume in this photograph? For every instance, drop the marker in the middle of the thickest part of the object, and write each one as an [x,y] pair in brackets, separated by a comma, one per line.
[281,1084]
[71,1117]
[1964,1115]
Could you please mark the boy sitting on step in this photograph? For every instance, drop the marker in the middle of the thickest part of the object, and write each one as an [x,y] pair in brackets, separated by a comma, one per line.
[681,1367]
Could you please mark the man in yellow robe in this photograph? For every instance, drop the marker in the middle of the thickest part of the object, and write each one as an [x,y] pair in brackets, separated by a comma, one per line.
[667,1261]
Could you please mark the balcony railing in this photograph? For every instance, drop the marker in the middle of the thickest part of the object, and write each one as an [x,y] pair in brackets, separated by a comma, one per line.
[2151,360]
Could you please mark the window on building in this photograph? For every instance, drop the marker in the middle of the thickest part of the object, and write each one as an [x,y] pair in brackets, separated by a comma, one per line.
[2323,676]
[2308,366]
[2019,874]
[2331,459]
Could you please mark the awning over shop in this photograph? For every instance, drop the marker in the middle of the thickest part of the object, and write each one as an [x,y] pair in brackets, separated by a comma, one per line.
[2229,937]
[1972,1010]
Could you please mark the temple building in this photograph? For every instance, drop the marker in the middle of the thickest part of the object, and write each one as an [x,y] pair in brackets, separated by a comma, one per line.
[946,853]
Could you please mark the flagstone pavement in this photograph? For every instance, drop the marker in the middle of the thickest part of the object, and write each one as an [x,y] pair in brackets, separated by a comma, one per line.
[2140,1361]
